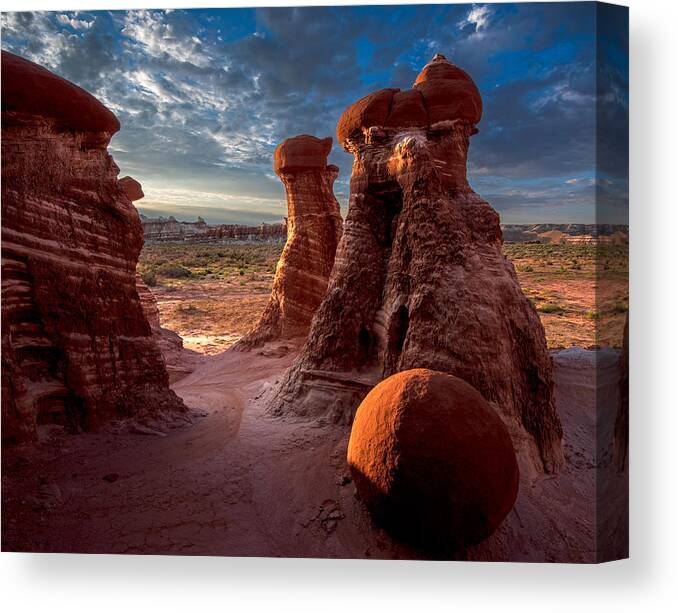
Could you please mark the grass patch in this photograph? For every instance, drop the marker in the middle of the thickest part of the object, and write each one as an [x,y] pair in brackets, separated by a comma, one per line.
[197,261]
[551,307]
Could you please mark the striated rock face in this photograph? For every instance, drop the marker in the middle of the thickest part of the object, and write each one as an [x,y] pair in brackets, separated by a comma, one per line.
[419,278]
[432,460]
[314,230]
[76,346]
[169,342]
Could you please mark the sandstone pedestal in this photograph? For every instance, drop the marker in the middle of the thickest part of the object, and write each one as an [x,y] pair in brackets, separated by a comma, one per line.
[313,232]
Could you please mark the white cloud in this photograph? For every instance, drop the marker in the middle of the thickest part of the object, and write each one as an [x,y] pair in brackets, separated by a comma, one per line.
[563,92]
[149,30]
[76,24]
[478,17]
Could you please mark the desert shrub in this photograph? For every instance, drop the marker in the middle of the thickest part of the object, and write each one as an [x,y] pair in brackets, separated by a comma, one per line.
[149,278]
[551,307]
[174,271]
[188,309]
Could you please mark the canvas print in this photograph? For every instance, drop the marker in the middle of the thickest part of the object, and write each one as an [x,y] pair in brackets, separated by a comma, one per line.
[338,282]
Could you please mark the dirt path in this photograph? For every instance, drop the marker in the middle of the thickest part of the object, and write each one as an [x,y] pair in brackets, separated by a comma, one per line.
[234,483]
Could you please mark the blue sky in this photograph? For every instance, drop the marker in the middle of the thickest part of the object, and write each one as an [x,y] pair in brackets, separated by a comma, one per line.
[204,96]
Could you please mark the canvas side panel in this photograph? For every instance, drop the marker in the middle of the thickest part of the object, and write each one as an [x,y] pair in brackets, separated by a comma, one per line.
[612,288]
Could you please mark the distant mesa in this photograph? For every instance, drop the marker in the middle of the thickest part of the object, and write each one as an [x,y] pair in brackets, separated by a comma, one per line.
[314,229]
[441,93]
[433,461]
[170,230]
[570,233]
[419,279]
[77,349]
[132,188]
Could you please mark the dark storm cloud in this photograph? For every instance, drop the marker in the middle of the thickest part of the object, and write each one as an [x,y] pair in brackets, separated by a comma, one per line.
[204,96]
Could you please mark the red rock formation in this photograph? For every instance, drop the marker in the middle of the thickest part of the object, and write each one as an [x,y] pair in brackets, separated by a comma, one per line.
[432,460]
[76,347]
[132,188]
[170,343]
[419,278]
[314,230]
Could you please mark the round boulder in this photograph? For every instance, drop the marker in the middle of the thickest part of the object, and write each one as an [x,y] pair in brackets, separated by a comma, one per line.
[432,460]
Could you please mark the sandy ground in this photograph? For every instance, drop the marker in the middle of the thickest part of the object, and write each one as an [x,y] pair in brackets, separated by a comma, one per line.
[238,482]
[211,315]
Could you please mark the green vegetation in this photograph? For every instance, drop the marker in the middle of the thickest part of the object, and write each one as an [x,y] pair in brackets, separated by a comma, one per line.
[149,278]
[172,271]
[567,259]
[183,262]
[550,307]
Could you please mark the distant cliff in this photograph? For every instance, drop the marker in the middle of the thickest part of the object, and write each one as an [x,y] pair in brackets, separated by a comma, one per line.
[168,229]
[565,233]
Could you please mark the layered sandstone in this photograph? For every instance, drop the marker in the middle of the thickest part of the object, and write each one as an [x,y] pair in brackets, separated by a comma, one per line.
[169,342]
[419,279]
[76,346]
[314,229]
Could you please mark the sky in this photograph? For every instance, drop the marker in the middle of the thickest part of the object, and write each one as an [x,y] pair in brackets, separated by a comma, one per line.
[205,95]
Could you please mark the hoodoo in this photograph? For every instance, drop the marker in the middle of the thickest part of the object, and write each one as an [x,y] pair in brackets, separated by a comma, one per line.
[313,233]
[420,280]
[76,346]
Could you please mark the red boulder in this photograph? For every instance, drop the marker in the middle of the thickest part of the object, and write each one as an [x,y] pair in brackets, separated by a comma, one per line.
[432,460]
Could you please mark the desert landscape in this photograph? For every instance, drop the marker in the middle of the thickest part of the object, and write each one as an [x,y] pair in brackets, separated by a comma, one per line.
[572,286]
[404,379]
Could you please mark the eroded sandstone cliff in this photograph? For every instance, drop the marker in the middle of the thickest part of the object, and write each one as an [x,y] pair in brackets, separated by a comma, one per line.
[419,278]
[76,346]
[314,229]
[170,230]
